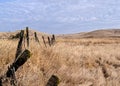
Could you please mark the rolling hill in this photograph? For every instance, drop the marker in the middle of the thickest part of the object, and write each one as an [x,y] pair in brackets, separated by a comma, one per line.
[94,34]
[103,33]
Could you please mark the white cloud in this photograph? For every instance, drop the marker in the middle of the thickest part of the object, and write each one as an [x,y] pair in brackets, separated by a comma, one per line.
[59,11]
[36,9]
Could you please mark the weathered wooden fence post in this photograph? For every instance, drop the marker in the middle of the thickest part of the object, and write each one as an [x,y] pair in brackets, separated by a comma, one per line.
[27,36]
[53,39]
[44,41]
[19,47]
[36,37]
[49,41]
[21,59]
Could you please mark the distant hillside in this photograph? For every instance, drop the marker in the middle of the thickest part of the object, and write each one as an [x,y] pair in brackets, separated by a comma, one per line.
[95,34]
[115,33]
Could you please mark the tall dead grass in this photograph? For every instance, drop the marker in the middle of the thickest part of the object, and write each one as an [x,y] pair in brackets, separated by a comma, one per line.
[77,62]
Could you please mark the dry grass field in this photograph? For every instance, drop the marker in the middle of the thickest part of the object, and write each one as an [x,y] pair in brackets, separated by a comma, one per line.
[77,62]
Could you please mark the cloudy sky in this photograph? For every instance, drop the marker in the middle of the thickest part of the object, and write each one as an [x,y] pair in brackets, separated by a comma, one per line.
[59,16]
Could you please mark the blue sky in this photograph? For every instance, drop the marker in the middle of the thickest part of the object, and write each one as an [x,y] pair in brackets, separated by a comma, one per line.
[59,16]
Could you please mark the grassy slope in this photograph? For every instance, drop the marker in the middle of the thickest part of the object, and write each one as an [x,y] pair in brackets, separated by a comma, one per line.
[77,62]
[95,34]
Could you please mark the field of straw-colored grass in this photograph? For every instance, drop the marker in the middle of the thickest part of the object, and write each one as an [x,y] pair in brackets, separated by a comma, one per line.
[77,62]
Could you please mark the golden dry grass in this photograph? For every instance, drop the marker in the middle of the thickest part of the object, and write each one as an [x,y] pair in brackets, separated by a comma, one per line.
[77,62]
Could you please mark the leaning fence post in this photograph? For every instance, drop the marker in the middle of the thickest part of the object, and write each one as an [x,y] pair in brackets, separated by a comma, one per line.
[36,37]
[35,34]
[24,39]
[19,47]
[19,62]
[27,36]
[44,41]
[13,78]
[20,59]
[53,36]
[53,39]
[49,41]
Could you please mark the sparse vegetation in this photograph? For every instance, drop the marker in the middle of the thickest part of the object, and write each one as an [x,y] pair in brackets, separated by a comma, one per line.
[77,62]
[16,36]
